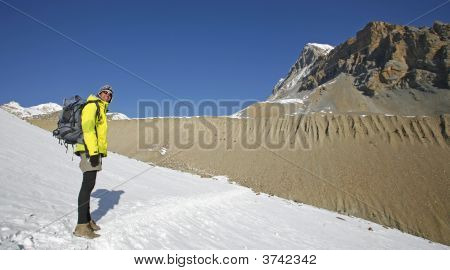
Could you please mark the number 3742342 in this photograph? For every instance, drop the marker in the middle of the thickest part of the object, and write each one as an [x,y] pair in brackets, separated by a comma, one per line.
[289,259]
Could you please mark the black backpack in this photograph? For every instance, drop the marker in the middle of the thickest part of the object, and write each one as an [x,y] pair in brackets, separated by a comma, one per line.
[69,129]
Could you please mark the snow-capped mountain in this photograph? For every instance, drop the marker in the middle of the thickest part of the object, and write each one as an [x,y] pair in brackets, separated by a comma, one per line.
[384,69]
[117,116]
[381,57]
[23,112]
[48,110]
[302,67]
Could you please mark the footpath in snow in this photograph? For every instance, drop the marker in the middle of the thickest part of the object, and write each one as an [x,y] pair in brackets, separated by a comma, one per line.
[140,206]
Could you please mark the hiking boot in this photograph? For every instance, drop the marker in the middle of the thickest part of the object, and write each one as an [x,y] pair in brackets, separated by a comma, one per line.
[94,225]
[84,230]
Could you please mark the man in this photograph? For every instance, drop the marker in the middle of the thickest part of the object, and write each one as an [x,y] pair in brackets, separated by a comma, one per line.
[95,128]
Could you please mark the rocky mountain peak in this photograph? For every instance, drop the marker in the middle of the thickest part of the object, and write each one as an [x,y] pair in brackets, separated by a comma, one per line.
[308,56]
[384,68]
[311,52]
[385,56]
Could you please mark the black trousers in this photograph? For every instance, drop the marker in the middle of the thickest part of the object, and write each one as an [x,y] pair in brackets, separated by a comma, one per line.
[84,214]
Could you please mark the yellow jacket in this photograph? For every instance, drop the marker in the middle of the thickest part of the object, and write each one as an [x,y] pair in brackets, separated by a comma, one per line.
[94,130]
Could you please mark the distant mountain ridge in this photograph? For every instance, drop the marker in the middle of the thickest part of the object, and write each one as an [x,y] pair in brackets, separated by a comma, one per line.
[381,57]
[48,110]
[385,69]
[23,112]
[116,116]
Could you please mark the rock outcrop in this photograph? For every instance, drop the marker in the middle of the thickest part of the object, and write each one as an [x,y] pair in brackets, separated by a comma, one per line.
[384,56]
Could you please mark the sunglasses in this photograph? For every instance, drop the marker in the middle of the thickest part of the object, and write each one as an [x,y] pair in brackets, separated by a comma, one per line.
[107,92]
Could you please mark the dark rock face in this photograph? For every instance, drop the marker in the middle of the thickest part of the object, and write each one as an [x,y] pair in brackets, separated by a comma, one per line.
[384,56]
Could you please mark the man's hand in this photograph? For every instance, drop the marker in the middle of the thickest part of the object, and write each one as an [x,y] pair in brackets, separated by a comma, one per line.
[94,160]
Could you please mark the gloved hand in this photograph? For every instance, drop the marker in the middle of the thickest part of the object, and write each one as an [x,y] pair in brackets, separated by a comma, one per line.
[94,160]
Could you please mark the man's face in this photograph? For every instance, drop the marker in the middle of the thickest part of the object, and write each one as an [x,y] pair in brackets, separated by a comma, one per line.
[106,96]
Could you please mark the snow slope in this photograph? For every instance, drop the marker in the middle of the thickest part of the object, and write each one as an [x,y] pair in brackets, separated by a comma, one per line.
[140,206]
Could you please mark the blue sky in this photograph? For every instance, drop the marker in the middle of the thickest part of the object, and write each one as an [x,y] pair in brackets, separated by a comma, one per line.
[192,50]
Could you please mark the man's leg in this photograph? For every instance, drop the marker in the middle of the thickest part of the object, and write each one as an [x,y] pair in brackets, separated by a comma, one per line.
[84,196]
[83,228]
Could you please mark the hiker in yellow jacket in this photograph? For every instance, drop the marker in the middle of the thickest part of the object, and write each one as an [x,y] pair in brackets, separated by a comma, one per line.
[95,128]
